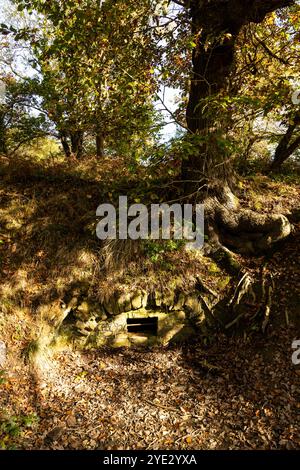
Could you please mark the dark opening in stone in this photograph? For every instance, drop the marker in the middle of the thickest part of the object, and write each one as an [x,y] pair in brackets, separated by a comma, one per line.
[143,325]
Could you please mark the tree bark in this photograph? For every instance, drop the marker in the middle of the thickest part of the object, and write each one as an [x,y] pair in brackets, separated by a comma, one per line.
[77,144]
[3,144]
[287,145]
[65,144]
[215,26]
[100,144]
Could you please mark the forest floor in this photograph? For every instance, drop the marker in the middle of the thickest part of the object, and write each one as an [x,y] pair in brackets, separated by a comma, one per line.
[240,392]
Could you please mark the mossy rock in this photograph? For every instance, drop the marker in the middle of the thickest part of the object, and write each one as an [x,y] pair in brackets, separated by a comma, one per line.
[183,335]
[121,341]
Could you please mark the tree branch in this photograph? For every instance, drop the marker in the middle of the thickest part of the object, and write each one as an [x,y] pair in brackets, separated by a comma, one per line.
[271,53]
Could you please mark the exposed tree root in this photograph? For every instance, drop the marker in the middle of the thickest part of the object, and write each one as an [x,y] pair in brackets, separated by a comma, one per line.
[245,286]
[225,258]
[241,230]
[243,289]
[204,288]
[267,287]
[251,292]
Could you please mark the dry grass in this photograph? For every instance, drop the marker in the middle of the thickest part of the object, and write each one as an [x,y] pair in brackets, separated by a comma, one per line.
[277,194]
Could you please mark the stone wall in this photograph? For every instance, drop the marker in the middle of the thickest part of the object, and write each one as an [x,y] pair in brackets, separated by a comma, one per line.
[93,324]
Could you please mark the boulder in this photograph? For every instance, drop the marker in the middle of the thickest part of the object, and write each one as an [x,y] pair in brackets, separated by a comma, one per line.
[194,306]
[137,301]
[124,303]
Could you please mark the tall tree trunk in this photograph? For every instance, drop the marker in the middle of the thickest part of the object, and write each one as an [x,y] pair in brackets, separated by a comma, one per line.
[287,145]
[65,144]
[215,26]
[100,144]
[77,144]
[3,144]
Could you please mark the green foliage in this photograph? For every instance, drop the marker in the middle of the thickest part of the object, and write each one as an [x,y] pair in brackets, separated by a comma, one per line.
[156,249]
[99,66]
[2,377]
[18,126]
[94,61]
[11,429]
